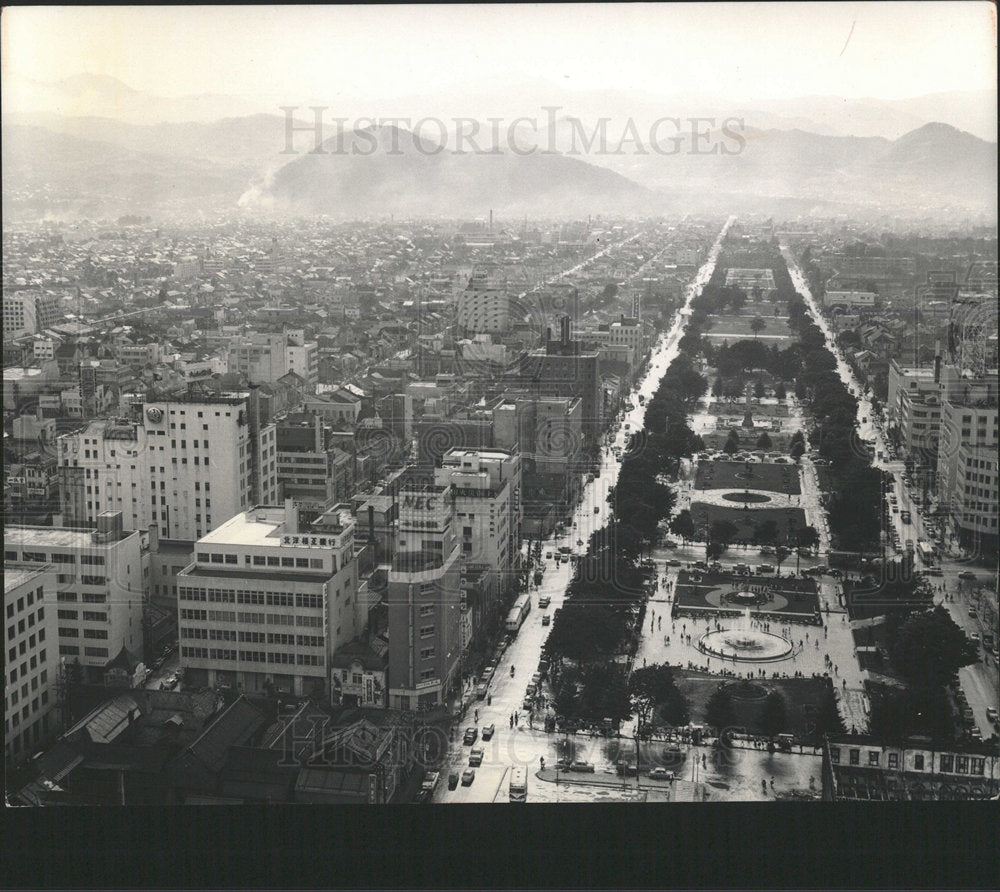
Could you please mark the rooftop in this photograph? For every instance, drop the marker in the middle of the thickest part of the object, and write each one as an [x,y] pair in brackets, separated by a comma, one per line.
[53,537]
[16,573]
[263,525]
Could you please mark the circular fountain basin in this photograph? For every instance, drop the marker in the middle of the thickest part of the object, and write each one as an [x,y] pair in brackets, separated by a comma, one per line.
[745,646]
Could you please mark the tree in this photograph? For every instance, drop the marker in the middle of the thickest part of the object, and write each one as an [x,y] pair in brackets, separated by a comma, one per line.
[780,392]
[757,325]
[797,450]
[807,537]
[722,531]
[759,390]
[732,443]
[766,533]
[929,647]
[780,553]
[719,711]
[764,441]
[683,525]
[714,550]
[718,386]
[800,390]
[774,718]
[653,687]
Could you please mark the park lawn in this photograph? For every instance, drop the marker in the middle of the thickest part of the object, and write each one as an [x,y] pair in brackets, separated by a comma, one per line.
[780,440]
[737,328]
[745,521]
[805,699]
[739,407]
[725,475]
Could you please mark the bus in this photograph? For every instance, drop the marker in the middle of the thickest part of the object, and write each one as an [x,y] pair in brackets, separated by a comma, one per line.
[518,785]
[517,614]
[926,552]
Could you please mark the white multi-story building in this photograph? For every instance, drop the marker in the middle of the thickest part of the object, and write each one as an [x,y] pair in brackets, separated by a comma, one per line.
[484,305]
[264,605]
[185,465]
[31,664]
[967,468]
[264,358]
[99,587]
[28,312]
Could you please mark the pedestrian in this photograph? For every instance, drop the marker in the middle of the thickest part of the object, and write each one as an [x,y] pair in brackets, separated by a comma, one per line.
[476,714]
[772,783]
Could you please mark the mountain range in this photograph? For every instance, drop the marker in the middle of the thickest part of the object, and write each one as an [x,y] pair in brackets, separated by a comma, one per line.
[84,165]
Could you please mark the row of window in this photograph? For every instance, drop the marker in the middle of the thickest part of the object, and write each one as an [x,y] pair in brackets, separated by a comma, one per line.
[88,597]
[196,633]
[71,650]
[88,615]
[252,656]
[22,647]
[947,762]
[242,596]
[68,632]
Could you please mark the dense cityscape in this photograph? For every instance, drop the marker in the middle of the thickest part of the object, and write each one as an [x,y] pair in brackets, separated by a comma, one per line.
[501,506]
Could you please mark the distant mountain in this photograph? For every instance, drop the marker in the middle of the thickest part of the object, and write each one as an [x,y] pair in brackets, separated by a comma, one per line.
[95,95]
[389,170]
[56,174]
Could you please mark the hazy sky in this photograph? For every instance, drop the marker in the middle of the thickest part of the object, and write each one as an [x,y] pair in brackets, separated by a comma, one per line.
[739,51]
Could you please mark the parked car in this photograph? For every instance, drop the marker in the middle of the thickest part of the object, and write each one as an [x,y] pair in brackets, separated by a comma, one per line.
[544,601]
[669,543]
[583,766]
[476,755]
[991,714]
[766,549]
[835,573]
[974,637]
[673,562]
[471,735]
[546,619]
[966,574]
[973,613]
[528,704]
[804,552]
[741,568]
[661,774]
[489,731]
[468,776]
[452,781]
[481,691]
[563,765]
[765,568]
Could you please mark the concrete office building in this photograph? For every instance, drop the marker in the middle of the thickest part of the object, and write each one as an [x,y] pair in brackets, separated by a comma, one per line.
[424,600]
[265,604]
[484,305]
[99,592]
[186,465]
[28,312]
[31,666]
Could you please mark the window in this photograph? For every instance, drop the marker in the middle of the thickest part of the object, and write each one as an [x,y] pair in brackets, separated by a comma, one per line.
[962,764]
[426,610]
[918,762]
[426,631]
[855,757]
[95,651]
[894,760]
[978,765]
[426,653]
[873,757]
[427,674]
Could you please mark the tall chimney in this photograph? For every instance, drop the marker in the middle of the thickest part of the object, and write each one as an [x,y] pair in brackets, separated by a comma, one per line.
[491,221]
[291,517]
[564,323]
[937,361]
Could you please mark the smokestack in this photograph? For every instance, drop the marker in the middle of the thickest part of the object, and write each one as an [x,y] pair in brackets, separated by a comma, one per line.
[548,334]
[564,322]
[937,361]
[291,517]
[491,221]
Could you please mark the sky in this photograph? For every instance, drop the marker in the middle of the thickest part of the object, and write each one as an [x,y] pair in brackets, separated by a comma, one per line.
[739,51]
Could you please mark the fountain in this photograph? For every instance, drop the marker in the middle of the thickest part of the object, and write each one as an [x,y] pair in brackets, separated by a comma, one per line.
[745,644]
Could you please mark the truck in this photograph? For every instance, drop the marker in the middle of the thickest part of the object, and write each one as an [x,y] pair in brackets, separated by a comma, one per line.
[518,790]
[518,613]
[926,552]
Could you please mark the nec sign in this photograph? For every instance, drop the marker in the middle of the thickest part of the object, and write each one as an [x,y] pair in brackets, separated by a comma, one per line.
[420,503]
